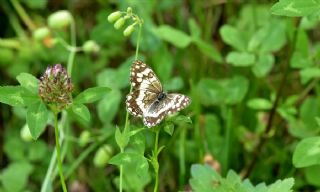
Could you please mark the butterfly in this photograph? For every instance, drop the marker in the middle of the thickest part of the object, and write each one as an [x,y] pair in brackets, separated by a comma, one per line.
[148,99]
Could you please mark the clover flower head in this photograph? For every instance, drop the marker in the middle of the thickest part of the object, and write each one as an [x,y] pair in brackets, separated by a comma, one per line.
[55,87]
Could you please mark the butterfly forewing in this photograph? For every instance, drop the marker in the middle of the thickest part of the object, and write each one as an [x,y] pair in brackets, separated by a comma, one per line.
[143,78]
[145,88]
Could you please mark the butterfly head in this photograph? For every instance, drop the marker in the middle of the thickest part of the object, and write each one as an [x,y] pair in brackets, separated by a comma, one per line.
[161,96]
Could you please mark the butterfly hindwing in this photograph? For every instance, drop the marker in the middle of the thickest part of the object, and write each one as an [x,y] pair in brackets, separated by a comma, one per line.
[171,104]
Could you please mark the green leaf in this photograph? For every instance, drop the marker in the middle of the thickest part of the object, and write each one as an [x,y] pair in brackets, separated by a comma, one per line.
[169,128]
[115,79]
[300,61]
[122,138]
[109,105]
[194,28]
[172,35]
[307,152]
[295,8]
[37,116]
[28,81]
[259,104]
[81,111]
[309,73]
[240,59]
[209,50]
[162,61]
[14,178]
[12,95]
[264,65]
[91,95]
[235,89]
[227,91]
[204,178]
[312,175]
[282,185]
[233,37]
[126,158]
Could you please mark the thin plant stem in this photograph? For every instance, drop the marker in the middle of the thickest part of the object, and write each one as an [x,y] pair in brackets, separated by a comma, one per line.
[156,164]
[182,160]
[121,174]
[23,14]
[228,139]
[138,42]
[51,171]
[73,45]
[126,125]
[56,132]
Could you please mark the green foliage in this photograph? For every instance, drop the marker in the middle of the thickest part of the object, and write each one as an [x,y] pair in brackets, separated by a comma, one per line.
[206,179]
[37,117]
[251,70]
[307,152]
[14,178]
[295,8]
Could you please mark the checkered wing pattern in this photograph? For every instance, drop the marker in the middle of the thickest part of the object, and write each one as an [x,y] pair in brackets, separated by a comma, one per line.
[143,100]
[158,110]
[145,88]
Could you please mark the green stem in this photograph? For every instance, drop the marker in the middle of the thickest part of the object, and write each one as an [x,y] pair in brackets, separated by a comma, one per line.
[121,173]
[138,42]
[10,43]
[23,14]
[228,140]
[126,125]
[155,160]
[73,45]
[56,130]
[182,161]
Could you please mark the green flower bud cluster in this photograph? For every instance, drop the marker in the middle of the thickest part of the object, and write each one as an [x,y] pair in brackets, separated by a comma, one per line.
[119,18]
[55,87]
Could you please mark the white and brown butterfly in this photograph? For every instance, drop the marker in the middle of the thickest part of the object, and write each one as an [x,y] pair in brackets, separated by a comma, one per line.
[148,100]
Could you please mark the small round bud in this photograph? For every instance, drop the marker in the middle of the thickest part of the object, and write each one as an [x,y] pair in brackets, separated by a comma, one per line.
[102,156]
[84,138]
[128,30]
[129,10]
[60,19]
[25,133]
[114,16]
[119,23]
[90,46]
[41,33]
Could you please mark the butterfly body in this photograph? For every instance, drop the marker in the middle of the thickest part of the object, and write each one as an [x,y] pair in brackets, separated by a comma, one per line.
[148,100]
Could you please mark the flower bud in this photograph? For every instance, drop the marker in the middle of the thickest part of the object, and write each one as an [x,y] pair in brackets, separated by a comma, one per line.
[55,87]
[102,156]
[25,133]
[119,23]
[41,33]
[128,30]
[60,19]
[84,138]
[90,47]
[129,10]
[114,16]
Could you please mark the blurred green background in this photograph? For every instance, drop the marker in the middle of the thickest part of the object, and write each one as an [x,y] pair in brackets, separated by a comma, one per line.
[252,78]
